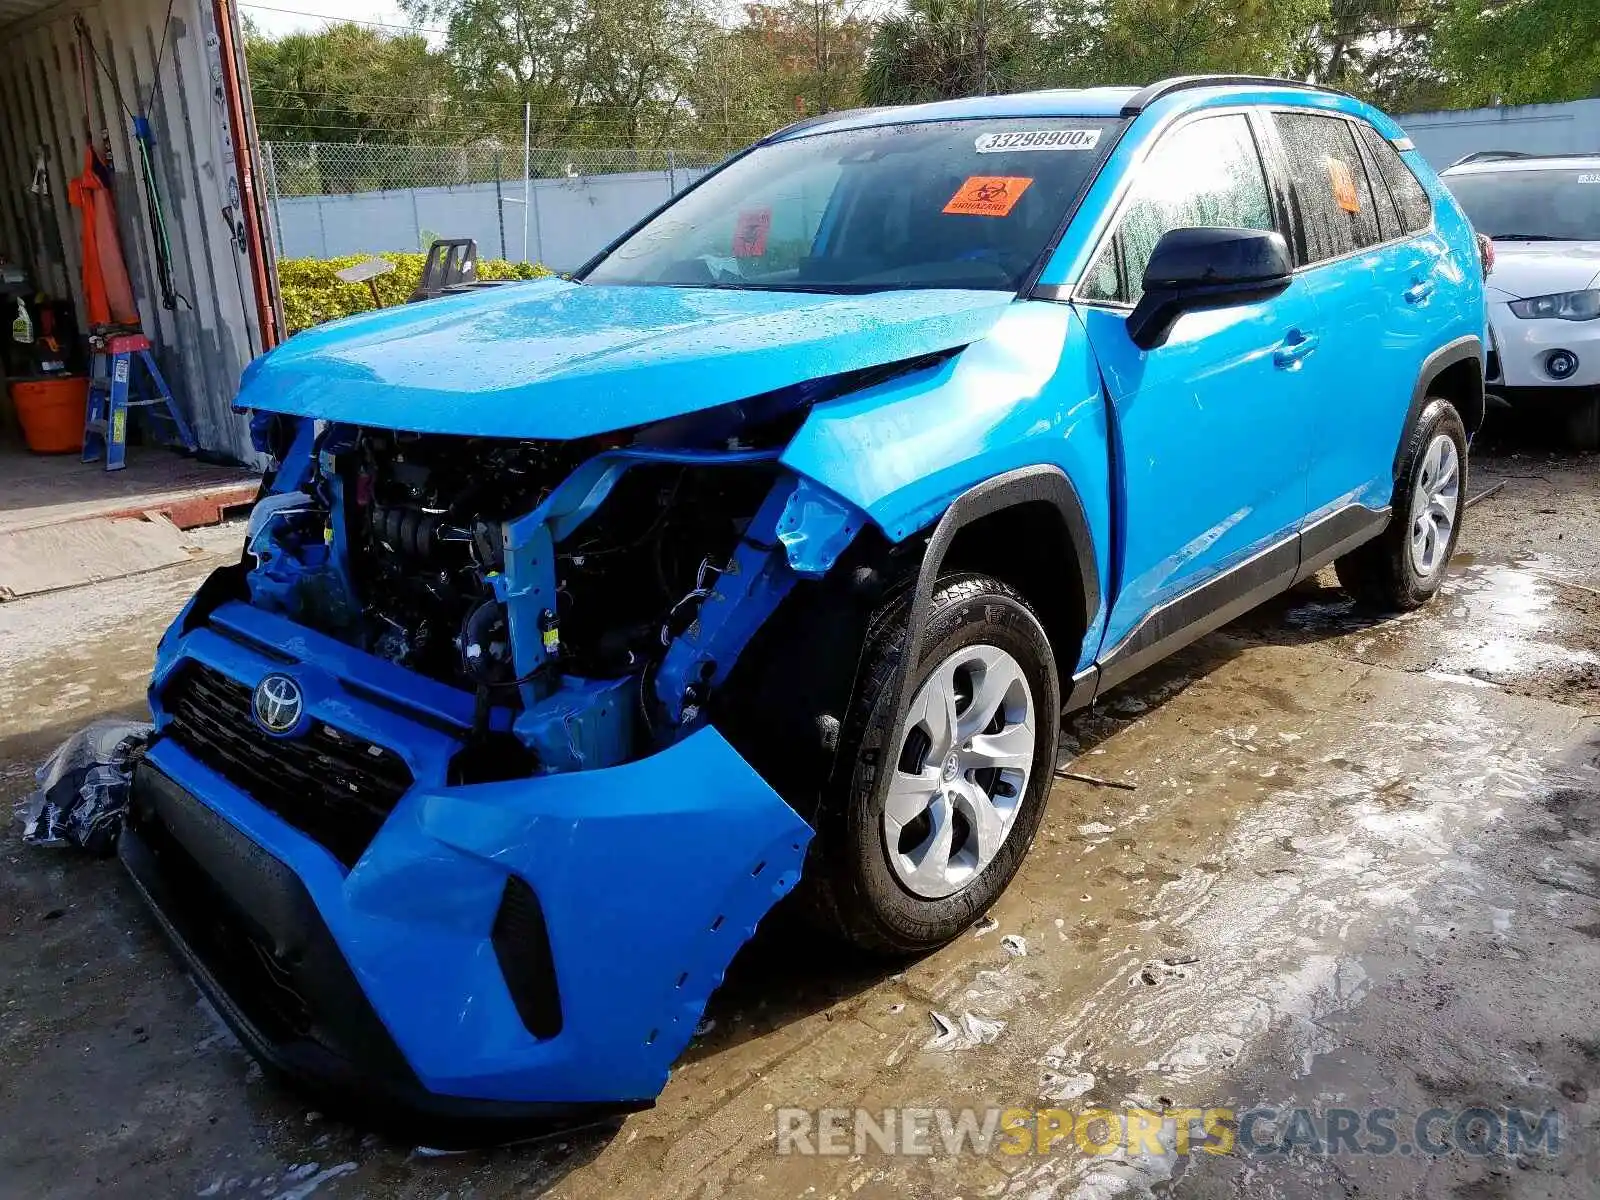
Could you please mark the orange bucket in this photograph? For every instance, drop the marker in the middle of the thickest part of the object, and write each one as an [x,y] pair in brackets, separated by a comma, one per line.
[50,412]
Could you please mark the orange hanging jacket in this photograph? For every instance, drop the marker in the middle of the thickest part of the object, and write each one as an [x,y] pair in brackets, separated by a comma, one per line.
[107,291]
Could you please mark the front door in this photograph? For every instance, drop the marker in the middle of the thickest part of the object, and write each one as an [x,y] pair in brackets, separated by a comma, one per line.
[1212,428]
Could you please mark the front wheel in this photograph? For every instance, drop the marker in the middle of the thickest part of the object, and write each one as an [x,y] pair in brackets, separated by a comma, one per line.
[939,807]
[1404,566]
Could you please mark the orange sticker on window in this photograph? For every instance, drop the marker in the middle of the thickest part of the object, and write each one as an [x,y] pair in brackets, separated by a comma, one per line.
[750,231]
[1344,186]
[987,195]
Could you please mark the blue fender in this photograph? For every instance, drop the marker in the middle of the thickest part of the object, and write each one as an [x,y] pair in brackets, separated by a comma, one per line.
[1027,395]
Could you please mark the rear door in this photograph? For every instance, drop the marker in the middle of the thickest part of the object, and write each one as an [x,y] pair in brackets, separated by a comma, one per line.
[1213,427]
[1371,269]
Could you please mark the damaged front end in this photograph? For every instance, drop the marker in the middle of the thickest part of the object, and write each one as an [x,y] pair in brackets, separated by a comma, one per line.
[455,804]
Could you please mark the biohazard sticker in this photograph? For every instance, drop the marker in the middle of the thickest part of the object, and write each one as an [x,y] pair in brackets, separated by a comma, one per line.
[988,195]
[750,232]
[1344,186]
[1037,139]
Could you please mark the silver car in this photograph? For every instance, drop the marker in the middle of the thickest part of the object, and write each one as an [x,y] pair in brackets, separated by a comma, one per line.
[1543,214]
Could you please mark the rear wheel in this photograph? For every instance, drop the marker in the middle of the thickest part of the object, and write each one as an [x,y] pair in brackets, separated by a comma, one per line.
[939,808]
[1404,566]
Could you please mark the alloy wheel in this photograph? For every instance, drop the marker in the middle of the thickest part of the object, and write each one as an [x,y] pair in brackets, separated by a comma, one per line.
[1434,505]
[965,756]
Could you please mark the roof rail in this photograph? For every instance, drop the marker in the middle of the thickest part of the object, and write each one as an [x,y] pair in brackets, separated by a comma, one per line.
[1147,96]
[816,119]
[1490,156]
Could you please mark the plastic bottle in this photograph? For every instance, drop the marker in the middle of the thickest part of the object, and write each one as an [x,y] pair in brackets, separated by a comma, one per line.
[22,327]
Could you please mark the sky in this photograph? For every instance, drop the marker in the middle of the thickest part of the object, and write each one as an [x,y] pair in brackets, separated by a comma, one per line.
[278,17]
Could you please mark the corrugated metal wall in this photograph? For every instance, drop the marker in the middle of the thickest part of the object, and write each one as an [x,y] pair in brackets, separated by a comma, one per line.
[205,341]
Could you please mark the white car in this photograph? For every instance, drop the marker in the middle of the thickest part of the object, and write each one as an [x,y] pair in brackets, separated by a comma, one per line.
[1543,214]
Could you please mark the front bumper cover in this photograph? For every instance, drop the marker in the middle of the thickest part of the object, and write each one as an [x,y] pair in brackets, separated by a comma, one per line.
[385,984]
[304,1016]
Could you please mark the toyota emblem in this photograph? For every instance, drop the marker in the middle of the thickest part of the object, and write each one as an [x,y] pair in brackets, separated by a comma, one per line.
[278,704]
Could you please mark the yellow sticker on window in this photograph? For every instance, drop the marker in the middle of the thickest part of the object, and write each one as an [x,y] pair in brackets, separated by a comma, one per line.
[1344,186]
[988,195]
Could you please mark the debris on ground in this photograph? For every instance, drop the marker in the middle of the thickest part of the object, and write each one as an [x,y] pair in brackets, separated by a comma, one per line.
[970,1031]
[83,788]
[985,925]
[1015,945]
[1063,773]
[1485,494]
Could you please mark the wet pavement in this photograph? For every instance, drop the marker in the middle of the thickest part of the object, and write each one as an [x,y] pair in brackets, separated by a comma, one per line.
[1358,868]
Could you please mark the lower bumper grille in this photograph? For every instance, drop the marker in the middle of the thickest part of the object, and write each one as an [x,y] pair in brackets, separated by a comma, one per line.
[335,788]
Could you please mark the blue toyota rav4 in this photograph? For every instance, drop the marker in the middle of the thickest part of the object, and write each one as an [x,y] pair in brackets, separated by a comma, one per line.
[583,619]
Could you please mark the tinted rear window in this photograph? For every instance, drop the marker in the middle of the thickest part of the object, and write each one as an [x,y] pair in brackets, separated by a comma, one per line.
[1415,209]
[1331,189]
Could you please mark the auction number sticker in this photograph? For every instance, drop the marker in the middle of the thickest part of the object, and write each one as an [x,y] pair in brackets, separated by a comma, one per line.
[987,195]
[1037,139]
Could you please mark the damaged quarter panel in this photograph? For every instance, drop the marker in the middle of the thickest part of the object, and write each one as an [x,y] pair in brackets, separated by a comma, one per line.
[1027,394]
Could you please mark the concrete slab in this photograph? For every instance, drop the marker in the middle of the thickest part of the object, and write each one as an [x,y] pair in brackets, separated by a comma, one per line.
[48,489]
[65,523]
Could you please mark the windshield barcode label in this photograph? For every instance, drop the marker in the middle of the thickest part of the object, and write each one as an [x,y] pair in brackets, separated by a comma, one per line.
[1038,139]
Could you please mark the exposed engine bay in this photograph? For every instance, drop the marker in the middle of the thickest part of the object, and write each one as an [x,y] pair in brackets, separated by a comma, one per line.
[563,583]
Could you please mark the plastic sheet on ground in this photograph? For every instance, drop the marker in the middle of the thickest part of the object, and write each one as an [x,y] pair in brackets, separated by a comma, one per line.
[83,788]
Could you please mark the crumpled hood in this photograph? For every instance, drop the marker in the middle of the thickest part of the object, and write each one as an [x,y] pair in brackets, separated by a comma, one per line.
[553,359]
[1524,269]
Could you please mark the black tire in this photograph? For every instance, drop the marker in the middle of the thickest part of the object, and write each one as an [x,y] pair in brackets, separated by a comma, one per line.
[1380,574]
[849,886]
[1583,425]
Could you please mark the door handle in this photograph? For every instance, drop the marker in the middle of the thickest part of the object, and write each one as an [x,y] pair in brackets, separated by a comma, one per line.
[1294,348]
[1419,291]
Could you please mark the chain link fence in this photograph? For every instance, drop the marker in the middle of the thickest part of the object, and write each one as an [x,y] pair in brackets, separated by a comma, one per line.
[331,200]
[335,168]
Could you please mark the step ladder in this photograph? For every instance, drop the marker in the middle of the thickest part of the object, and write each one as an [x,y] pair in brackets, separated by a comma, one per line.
[114,389]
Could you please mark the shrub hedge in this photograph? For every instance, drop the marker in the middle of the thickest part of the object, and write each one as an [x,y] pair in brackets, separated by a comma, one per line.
[313,293]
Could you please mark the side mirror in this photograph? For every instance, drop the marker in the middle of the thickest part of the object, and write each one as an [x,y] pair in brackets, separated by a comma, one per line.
[1206,268]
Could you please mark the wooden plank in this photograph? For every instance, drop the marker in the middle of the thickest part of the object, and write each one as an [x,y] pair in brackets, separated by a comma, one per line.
[52,557]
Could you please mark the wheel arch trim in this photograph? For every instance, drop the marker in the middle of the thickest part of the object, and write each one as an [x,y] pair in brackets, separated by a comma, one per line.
[1011,489]
[1468,347]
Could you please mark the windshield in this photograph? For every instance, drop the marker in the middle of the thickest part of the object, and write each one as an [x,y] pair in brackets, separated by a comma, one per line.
[949,204]
[1538,205]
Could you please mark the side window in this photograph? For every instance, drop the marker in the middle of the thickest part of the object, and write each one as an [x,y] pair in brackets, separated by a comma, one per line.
[1331,190]
[1416,210]
[1205,174]
[1382,202]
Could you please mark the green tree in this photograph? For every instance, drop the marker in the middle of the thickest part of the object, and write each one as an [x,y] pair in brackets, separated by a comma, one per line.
[603,73]
[1521,51]
[938,49]
[345,83]
[1380,50]
[942,48]
[815,50]
[1144,40]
